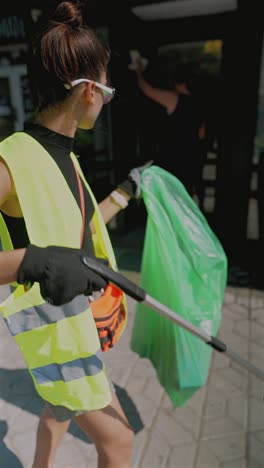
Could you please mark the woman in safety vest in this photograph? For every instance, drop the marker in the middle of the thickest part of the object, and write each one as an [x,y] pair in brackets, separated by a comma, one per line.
[43,188]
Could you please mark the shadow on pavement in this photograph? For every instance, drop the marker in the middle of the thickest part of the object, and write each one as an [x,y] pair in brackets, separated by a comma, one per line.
[7,457]
[17,388]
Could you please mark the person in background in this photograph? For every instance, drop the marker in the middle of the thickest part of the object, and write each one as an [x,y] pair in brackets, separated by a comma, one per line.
[180,128]
[42,185]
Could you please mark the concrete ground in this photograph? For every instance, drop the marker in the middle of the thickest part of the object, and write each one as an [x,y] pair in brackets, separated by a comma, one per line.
[222,425]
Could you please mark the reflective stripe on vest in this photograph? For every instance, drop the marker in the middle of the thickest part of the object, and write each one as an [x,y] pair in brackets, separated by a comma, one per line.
[34,317]
[68,371]
[59,344]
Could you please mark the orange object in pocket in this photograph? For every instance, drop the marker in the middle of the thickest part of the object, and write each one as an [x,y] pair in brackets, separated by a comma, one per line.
[109,316]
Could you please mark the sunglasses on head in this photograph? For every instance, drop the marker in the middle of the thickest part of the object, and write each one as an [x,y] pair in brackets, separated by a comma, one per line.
[108,93]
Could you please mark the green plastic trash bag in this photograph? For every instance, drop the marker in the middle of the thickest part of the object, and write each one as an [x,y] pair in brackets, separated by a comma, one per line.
[184,267]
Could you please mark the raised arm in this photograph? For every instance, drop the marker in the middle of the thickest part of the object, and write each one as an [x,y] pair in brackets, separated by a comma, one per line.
[165,98]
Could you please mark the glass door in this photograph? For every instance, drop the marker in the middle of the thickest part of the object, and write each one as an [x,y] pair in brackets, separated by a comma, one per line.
[12,109]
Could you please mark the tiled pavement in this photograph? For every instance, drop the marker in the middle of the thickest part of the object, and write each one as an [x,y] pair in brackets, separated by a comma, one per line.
[222,426]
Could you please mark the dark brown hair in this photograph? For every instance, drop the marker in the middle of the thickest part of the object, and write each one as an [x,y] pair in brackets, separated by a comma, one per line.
[63,50]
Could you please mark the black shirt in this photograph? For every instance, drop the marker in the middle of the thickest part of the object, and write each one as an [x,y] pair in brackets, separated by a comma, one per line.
[59,148]
[178,139]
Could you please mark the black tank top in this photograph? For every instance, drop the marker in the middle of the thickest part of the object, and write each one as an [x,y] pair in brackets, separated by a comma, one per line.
[59,147]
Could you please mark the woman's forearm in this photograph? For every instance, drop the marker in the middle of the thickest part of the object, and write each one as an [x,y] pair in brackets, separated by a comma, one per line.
[109,208]
[144,85]
[10,262]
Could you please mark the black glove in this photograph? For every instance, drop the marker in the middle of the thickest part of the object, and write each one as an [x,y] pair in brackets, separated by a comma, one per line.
[59,272]
[132,185]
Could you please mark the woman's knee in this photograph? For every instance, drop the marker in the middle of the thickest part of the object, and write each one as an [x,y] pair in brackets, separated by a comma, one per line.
[119,447]
[110,431]
[127,439]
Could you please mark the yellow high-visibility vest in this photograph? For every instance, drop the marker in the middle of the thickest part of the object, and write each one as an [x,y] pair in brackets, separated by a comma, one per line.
[60,345]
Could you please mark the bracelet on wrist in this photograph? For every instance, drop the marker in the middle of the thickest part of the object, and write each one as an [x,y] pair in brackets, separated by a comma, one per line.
[119,199]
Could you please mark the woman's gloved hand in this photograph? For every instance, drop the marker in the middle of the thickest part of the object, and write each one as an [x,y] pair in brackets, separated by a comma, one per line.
[59,272]
[132,185]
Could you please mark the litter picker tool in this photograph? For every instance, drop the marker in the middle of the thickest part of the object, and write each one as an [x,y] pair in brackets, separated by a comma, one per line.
[140,295]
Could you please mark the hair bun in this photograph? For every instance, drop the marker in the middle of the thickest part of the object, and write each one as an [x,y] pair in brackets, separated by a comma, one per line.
[68,13]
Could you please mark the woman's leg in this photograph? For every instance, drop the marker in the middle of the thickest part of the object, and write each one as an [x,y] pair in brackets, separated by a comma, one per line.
[111,433]
[108,428]
[49,435]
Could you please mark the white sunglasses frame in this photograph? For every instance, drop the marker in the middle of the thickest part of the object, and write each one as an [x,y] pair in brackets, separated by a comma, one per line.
[85,80]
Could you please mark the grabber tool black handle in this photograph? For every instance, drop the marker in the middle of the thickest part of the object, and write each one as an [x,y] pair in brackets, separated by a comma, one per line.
[132,289]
